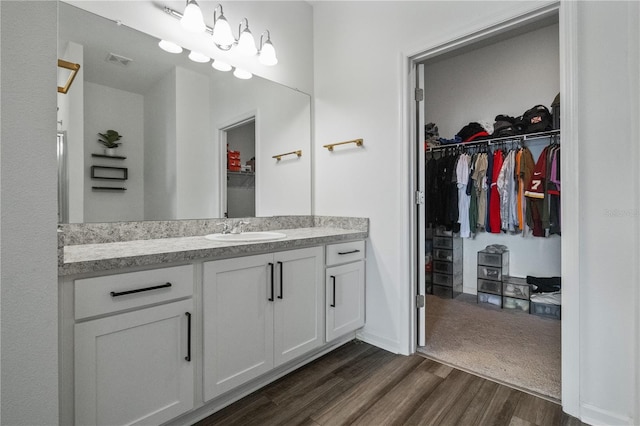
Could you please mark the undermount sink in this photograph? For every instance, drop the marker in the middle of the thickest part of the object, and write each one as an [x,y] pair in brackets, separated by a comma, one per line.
[247,236]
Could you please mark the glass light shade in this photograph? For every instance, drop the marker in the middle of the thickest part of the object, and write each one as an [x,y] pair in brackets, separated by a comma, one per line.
[169,46]
[221,66]
[242,74]
[246,43]
[268,54]
[222,36]
[192,19]
[198,57]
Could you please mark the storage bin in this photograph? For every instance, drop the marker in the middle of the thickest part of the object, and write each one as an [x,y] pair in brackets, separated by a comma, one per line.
[489,286]
[444,292]
[515,304]
[489,273]
[447,267]
[443,254]
[490,299]
[545,310]
[443,242]
[442,279]
[499,260]
[512,288]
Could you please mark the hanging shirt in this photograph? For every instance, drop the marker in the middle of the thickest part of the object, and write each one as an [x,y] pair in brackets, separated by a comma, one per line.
[527,164]
[495,221]
[535,194]
[462,176]
[480,183]
[506,189]
[489,177]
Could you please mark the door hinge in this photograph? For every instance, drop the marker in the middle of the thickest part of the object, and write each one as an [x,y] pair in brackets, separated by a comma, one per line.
[420,301]
[419,197]
[419,95]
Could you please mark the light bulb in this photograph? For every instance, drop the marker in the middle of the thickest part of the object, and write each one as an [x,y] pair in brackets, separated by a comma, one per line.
[221,66]
[268,54]
[169,46]
[222,36]
[242,74]
[198,57]
[246,43]
[192,19]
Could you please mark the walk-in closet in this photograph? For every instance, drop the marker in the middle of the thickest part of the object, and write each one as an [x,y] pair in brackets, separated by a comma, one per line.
[492,234]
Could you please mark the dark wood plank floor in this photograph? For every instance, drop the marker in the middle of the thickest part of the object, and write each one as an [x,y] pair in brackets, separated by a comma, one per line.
[359,384]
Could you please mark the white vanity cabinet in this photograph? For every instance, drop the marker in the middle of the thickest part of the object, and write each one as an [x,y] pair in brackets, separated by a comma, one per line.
[133,347]
[259,312]
[345,288]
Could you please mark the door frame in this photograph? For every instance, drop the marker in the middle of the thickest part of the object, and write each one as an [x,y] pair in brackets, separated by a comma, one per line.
[568,39]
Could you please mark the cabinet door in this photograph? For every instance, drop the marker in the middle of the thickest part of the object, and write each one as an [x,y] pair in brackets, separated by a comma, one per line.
[299,307]
[238,321]
[134,368]
[345,299]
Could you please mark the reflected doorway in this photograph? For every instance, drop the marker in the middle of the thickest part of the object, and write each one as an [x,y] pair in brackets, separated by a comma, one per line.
[63,182]
[241,185]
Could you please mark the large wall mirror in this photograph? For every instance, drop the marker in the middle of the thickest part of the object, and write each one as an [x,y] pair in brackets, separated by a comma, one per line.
[176,118]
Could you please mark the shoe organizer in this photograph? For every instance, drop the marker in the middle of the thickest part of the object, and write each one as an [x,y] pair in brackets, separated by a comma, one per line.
[489,286]
[490,299]
[519,291]
[545,310]
[444,292]
[498,260]
[513,304]
[489,273]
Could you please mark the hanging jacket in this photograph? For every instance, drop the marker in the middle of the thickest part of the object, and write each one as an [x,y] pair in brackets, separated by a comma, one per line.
[494,201]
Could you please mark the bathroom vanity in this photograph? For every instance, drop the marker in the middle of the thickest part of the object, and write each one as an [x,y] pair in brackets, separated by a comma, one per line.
[171,329]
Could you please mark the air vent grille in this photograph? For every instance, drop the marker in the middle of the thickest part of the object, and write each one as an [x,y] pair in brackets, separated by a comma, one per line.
[118,59]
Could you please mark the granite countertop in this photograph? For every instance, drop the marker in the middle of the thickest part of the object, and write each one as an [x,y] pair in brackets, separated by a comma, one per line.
[87,258]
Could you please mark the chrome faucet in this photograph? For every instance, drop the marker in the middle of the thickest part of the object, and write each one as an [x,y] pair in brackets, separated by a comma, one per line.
[238,227]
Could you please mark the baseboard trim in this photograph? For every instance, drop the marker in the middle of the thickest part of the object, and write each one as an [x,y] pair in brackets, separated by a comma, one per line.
[379,341]
[597,416]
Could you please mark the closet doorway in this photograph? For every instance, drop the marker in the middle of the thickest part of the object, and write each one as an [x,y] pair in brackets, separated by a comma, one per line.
[240,189]
[505,71]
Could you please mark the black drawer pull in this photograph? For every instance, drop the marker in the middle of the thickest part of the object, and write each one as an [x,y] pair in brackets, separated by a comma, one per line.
[155,287]
[333,279]
[272,269]
[188,357]
[348,252]
[281,291]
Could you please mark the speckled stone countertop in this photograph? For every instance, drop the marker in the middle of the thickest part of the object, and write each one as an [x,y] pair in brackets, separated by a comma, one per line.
[102,256]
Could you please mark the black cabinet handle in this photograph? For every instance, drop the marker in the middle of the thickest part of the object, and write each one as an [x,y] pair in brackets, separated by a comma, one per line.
[155,287]
[188,357]
[348,252]
[281,293]
[333,280]
[271,266]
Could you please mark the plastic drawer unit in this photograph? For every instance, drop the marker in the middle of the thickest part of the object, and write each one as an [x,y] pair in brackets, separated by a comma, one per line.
[492,269]
[447,264]
[546,310]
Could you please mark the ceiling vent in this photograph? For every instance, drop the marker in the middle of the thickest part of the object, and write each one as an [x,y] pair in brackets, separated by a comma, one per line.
[118,60]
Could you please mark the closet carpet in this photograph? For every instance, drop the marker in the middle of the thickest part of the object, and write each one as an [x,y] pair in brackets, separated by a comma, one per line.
[514,348]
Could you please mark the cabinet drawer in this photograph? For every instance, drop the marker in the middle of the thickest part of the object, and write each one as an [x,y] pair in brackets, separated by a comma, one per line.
[518,305]
[489,286]
[498,260]
[345,252]
[443,242]
[443,254]
[489,273]
[517,290]
[113,293]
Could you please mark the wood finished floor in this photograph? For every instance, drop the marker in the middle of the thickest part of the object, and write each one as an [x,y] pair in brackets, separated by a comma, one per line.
[359,384]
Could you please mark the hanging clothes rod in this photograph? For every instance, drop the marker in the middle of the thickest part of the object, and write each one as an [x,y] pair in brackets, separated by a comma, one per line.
[497,141]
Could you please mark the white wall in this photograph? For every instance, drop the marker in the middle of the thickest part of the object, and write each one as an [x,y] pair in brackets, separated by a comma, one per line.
[359,93]
[107,108]
[28,247]
[160,150]
[507,77]
[197,197]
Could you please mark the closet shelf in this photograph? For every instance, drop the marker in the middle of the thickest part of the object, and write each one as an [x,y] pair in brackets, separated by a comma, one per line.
[497,141]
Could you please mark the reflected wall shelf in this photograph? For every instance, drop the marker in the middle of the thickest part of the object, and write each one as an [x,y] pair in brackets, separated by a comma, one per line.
[116,157]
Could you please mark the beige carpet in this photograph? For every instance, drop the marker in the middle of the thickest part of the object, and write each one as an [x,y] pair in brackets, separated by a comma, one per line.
[514,348]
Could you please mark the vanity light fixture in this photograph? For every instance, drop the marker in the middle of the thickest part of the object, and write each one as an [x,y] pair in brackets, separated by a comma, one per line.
[246,44]
[198,57]
[267,52]
[221,66]
[222,36]
[192,19]
[242,74]
[169,46]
